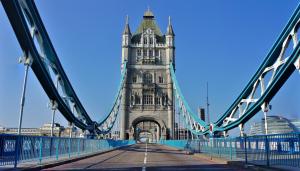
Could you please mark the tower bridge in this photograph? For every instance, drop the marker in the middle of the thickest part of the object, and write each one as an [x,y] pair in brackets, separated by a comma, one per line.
[145,105]
[148,85]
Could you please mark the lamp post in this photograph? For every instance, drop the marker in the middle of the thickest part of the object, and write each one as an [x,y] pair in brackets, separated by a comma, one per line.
[27,61]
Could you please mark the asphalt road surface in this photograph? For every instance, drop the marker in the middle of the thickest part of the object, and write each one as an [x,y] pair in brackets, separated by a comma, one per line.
[144,157]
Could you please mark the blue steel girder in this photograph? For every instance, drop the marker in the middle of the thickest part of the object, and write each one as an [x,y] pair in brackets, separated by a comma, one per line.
[280,64]
[107,123]
[277,67]
[27,25]
[192,121]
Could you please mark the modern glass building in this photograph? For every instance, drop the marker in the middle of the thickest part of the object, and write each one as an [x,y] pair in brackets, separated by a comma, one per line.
[276,125]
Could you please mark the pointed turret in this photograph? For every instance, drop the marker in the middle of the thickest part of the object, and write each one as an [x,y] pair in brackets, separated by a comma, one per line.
[170,39]
[170,28]
[126,39]
[127,29]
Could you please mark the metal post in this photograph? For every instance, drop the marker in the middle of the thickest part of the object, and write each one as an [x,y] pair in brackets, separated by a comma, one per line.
[78,146]
[53,107]
[23,97]
[211,147]
[179,132]
[52,124]
[41,151]
[207,103]
[71,130]
[265,108]
[266,122]
[230,141]
[267,150]
[69,147]
[241,126]
[245,146]
[57,148]
[17,149]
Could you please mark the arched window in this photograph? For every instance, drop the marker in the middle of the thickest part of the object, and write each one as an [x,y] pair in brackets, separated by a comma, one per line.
[134,78]
[145,40]
[150,52]
[160,79]
[132,100]
[151,40]
[137,99]
[157,53]
[157,100]
[145,52]
[148,78]
[139,52]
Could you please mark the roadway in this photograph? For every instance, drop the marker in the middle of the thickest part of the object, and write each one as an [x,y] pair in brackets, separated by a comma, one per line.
[144,157]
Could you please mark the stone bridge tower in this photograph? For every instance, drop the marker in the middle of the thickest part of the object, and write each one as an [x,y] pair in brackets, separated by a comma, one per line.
[147,108]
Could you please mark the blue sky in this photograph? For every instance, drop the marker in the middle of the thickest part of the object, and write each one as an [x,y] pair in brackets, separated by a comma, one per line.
[222,42]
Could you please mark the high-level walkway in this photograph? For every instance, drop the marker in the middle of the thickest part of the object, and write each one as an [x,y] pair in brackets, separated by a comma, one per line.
[144,157]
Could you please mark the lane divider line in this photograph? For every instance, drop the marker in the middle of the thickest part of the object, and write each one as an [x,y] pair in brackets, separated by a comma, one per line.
[145,158]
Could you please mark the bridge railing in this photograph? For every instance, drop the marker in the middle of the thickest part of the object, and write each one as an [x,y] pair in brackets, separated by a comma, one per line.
[15,149]
[277,149]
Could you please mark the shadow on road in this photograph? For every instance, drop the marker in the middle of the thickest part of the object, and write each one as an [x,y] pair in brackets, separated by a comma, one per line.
[209,167]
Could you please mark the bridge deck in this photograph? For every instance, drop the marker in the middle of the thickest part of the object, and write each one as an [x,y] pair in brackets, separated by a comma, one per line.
[144,157]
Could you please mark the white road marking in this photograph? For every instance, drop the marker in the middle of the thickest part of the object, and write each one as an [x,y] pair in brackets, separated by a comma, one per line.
[145,158]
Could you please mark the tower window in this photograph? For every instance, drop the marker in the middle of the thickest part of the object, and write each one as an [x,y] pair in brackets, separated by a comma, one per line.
[147,78]
[132,100]
[134,79]
[157,53]
[145,52]
[150,53]
[145,40]
[147,99]
[157,101]
[139,52]
[151,40]
[137,99]
[165,100]
[160,79]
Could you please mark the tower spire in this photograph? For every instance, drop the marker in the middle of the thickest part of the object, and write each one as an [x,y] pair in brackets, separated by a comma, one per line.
[127,29]
[127,19]
[170,28]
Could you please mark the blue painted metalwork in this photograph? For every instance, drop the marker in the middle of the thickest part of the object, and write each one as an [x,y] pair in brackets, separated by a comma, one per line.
[116,105]
[28,26]
[15,149]
[179,144]
[278,60]
[283,73]
[277,149]
[36,44]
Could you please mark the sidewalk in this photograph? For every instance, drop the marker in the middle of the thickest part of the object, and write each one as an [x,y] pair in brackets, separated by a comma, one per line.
[242,164]
[51,162]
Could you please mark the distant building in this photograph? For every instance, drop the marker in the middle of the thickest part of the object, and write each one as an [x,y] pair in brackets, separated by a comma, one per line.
[45,130]
[296,123]
[181,133]
[24,131]
[201,112]
[1,129]
[276,125]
